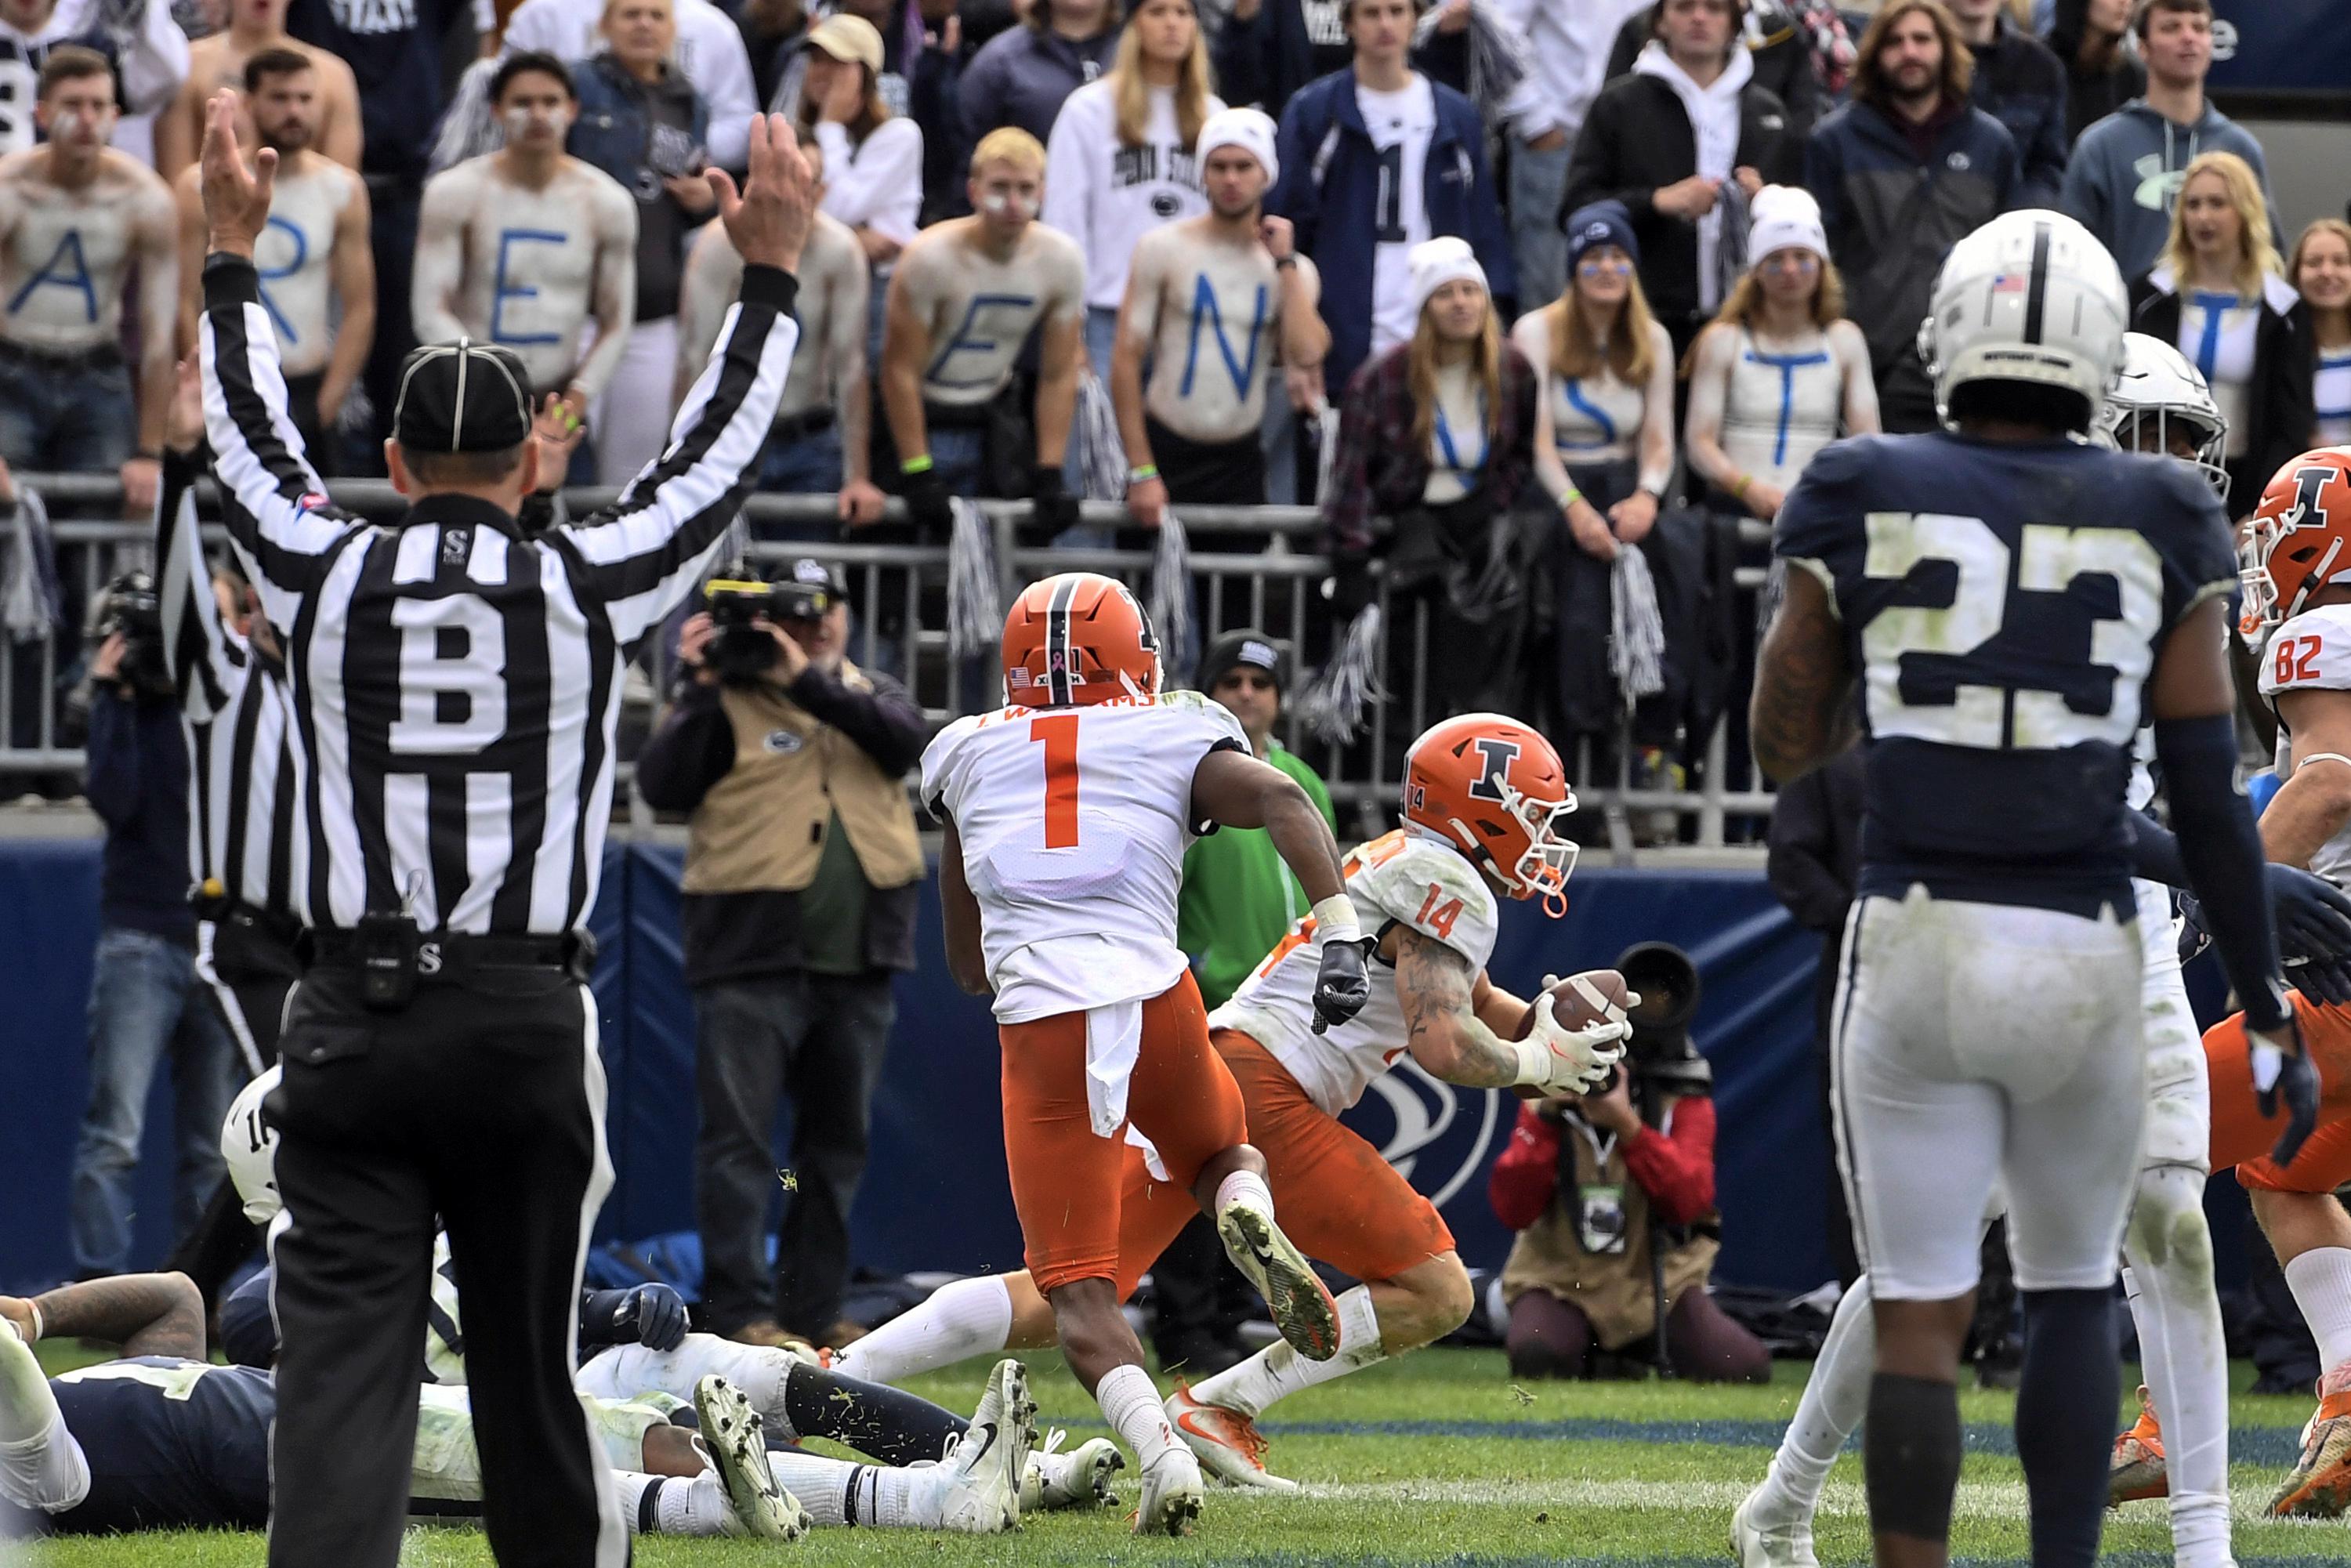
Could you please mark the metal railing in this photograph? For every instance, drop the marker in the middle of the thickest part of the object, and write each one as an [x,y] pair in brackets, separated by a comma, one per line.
[899,594]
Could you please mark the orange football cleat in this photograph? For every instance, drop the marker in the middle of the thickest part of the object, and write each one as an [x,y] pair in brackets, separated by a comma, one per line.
[2320,1486]
[2137,1470]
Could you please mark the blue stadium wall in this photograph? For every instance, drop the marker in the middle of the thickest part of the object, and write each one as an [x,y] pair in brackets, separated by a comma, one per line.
[935,1196]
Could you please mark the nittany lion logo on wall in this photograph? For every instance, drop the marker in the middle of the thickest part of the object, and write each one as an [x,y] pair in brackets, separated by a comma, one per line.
[1436,1135]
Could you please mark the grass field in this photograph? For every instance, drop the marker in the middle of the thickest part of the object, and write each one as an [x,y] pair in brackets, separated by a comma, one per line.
[1439,1459]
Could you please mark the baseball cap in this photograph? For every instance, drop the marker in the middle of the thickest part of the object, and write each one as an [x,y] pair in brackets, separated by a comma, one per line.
[462,397]
[1246,647]
[809,572]
[852,40]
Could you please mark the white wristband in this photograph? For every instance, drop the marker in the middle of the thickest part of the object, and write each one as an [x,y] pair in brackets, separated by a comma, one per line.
[1535,1058]
[1334,919]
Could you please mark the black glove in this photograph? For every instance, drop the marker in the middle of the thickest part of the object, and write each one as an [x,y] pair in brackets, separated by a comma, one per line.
[1342,987]
[2296,1084]
[1052,511]
[925,494]
[2194,937]
[2313,915]
[651,1315]
[2326,981]
[1351,589]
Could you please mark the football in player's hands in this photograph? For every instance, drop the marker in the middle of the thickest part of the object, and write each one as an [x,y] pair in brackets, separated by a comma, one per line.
[1341,985]
[1584,1022]
[1582,1001]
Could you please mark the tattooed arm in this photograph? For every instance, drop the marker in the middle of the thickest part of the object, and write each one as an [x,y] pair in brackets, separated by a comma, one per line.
[146,1314]
[1444,1029]
[1801,679]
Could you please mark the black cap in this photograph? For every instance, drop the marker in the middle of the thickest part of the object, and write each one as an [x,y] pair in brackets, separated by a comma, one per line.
[462,397]
[1247,646]
[809,572]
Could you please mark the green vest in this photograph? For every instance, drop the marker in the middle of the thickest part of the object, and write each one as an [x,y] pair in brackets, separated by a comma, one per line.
[1239,898]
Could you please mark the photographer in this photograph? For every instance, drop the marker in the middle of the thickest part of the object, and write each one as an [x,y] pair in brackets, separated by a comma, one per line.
[145,998]
[802,877]
[1612,1195]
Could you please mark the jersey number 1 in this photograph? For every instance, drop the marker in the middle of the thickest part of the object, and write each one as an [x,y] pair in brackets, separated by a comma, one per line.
[1058,734]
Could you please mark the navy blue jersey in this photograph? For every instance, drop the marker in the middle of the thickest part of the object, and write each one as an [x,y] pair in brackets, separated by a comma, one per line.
[172,1444]
[2002,608]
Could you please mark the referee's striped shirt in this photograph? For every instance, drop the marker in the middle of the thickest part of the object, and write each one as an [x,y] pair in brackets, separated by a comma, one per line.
[456,683]
[244,773]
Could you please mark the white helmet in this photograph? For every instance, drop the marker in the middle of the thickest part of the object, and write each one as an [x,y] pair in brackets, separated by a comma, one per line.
[2160,385]
[2031,297]
[249,1144]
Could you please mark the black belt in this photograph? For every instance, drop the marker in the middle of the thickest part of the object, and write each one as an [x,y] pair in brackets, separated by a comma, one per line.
[444,953]
[277,926]
[104,357]
[801,426]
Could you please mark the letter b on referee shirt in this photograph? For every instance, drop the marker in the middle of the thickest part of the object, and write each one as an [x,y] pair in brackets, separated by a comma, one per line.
[452,695]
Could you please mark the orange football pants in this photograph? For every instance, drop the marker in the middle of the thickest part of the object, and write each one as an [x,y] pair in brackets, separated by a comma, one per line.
[1067,1180]
[1335,1196]
[2242,1137]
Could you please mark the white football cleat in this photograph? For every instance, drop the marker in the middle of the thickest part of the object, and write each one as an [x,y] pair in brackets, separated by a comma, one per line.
[1777,1544]
[1172,1494]
[1300,1304]
[732,1437]
[985,1466]
[1079,1479]
[1226,1442]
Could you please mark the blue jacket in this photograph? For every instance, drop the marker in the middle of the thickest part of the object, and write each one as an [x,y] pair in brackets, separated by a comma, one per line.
[614,130]
[1329,190]
[138,785]
[1891,217]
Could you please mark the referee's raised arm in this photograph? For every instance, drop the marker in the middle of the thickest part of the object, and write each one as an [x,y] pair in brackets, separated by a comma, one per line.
[642,555]
[271,500]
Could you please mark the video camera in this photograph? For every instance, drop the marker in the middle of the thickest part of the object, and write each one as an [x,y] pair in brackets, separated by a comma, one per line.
[131,607]
[742,608]
[1660,1053]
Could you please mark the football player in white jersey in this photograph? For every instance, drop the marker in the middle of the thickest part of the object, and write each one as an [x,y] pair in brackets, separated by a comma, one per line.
[1482,798]
[1068,813]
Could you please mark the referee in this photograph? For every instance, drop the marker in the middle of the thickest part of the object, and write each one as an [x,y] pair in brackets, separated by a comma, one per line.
[455,684]
[244,791]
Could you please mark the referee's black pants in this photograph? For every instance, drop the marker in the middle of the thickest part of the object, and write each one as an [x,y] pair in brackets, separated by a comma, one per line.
[249,970]
[484,1102]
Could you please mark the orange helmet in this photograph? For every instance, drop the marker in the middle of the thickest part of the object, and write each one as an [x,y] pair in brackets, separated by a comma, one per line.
[1498,791]
[2299,542]
[1078,638]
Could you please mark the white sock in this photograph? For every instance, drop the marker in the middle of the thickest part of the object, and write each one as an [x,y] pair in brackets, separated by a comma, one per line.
[966,1318]
[1836,1398]
[1130,1403]
[1278,1370]
[1244,1187]
[2183,1354]
[838,1492]
[2320,1282]
[681,1506]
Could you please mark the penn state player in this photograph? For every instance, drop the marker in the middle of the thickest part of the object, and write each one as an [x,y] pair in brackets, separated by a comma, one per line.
[642,1350]
[163,1440]
[1989,1031]
[2161,405]
[528,246]
[318,269]
[1208,301]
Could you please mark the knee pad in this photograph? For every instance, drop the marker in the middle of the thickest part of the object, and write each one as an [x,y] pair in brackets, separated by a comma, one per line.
[2167,1232]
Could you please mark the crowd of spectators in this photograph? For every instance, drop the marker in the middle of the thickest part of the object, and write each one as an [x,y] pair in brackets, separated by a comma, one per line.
[1555,282]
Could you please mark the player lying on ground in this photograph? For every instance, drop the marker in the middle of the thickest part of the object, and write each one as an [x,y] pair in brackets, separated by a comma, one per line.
[1067,817]
[1483,799]
[2297,560]
[164,1439]
[2161,405]
[795,1399]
